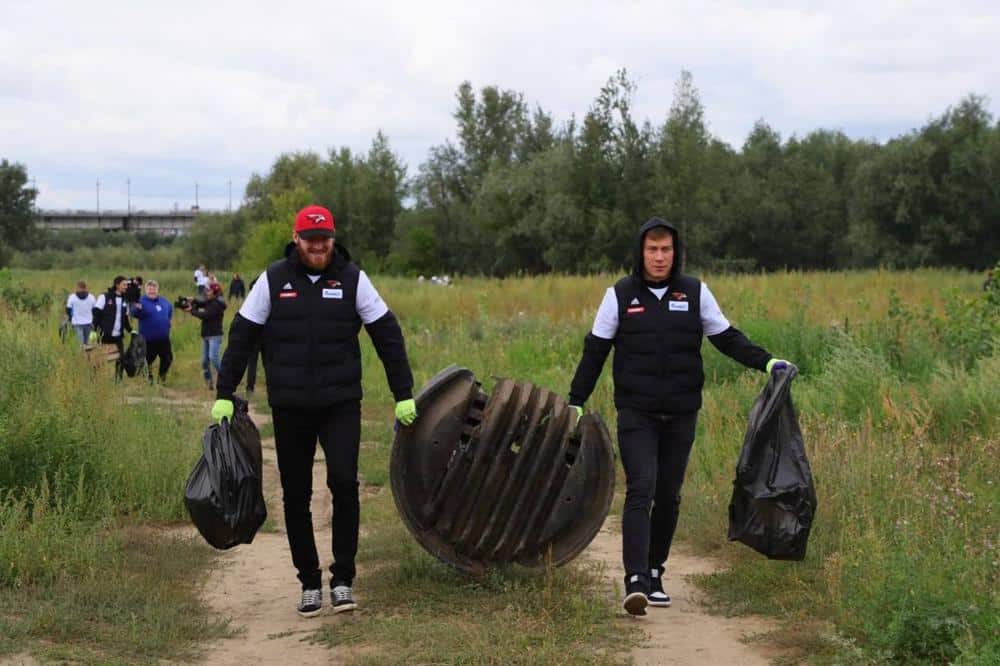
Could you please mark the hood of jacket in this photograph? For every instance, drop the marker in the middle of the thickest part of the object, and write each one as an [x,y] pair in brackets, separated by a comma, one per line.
[648,225]
[82,295]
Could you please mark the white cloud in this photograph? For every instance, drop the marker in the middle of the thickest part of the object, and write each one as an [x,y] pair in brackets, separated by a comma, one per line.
[170,93]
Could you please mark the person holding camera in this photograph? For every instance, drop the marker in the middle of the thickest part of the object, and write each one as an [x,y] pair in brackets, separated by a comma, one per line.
[211,310]
[154,314]
[111,318]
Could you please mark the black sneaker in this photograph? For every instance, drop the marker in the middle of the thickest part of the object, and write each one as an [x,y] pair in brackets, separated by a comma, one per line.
[311,604]
[636,589]
[342,599]
[657,597]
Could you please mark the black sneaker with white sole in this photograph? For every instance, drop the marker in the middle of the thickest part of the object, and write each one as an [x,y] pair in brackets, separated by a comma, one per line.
[636,589]
[342,599]
[311,604]
[657,597]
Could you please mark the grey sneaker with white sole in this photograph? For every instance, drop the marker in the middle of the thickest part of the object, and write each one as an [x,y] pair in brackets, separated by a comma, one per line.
[343,599]
[311,604]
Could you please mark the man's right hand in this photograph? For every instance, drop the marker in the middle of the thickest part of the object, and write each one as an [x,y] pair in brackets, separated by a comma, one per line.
[222,408]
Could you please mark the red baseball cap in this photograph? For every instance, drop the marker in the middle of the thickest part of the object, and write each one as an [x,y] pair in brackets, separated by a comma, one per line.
[314,222]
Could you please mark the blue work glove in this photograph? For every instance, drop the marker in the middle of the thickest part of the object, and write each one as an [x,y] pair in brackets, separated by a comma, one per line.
[406,411]
[579,413]
[222,408]
[777,364]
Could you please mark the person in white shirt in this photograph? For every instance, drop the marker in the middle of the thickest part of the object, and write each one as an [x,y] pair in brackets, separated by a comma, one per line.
[201,280]
[79,309]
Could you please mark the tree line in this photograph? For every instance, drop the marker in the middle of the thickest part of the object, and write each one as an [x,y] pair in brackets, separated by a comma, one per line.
[517,192]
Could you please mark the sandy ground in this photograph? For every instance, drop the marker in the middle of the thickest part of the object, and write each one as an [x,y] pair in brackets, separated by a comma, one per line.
[255,587]
[683,633]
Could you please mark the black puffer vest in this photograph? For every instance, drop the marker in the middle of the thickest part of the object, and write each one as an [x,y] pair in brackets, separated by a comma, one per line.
[311,353]
[107,319]
[657,366]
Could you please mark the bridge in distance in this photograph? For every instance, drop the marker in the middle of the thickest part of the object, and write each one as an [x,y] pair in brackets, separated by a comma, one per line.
[173,222]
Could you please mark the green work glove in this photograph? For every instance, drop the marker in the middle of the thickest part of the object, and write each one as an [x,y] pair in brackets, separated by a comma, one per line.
[406,411]
[777,364]
[92,338]
[579,413]
[222,408]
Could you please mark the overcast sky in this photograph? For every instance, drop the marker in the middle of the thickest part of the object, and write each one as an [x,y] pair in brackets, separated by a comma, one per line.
[167,94]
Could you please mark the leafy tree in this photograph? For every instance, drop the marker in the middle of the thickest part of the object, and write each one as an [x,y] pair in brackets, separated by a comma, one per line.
[17,202]
[267,241]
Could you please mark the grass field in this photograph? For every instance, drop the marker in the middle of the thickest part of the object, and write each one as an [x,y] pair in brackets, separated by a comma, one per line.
[898,400]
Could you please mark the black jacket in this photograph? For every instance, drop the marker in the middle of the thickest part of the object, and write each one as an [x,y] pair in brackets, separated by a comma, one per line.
[237,288]
[210,311]
[658,366]
[104,318]
[311,352]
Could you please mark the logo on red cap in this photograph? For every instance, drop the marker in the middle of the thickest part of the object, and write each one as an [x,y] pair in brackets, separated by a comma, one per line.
[314,222]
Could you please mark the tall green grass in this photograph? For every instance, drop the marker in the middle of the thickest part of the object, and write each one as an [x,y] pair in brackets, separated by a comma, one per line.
[898,399]
[83,468]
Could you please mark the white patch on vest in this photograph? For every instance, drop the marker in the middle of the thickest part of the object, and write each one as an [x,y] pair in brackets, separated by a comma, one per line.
[158,308]
[635,301]
[681,306]
[333,293]
[288,285]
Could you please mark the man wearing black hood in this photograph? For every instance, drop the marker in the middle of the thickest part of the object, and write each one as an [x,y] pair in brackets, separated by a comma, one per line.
[655,319]
[307,310]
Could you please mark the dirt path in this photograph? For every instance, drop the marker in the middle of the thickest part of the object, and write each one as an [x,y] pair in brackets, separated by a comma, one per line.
[683,633]
[255,585]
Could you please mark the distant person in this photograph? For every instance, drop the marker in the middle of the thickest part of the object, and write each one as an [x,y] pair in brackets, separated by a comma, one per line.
[991,278]
[80,310]
[111,318]
[210,310]
[201,280]
[655,319]
[236,287]
[154,314]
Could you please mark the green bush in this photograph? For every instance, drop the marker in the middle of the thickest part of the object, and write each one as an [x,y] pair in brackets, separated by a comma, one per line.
[19,296]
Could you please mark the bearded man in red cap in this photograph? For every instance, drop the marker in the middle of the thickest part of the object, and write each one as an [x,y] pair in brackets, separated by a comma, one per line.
[307,310]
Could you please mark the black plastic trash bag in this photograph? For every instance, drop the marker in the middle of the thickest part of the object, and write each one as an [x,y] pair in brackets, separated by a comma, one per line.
[224,495]
[134,359]
[774,500]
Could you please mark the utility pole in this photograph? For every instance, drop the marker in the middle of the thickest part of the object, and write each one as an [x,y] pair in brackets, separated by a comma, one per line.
[98,197]
[196,195]
[128,184]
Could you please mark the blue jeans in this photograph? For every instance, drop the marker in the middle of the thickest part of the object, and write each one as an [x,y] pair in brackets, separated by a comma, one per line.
[210,356]
[82,331]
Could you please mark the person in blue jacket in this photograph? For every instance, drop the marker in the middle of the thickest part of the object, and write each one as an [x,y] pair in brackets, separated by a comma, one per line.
[154,313]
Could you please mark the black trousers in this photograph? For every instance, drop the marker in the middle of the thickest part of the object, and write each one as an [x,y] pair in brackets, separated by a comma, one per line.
[117,341]
[161,349]
[654,450]
[338,428]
